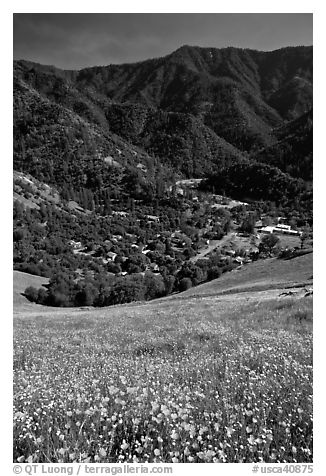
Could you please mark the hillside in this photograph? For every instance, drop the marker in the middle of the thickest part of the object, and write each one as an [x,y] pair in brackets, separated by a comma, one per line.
[180,140]
[292,152]
[59,147]
[206,96]
[100,204]
[21,281]
[229,88]
[269,274]
[210,380]
[265,279]
[162,242]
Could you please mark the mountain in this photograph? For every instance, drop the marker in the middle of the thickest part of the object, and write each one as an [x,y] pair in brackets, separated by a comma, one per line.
[292,152]
[191,113]
[292,99]
[82,127]
[236,92]
[99,156]
[62,148]
[180,140]
[240,94]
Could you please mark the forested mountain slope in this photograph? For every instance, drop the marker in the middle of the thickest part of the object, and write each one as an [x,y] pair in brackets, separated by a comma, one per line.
[239,94]
[135,128]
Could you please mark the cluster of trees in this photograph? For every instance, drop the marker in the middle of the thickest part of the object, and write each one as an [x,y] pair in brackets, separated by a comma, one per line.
[292,153]
[102,289]
[248,180]
[181,140]
[269,245]
[42,247]
[64,291]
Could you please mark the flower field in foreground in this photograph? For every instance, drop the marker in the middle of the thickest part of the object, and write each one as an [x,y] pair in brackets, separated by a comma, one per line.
[194,381]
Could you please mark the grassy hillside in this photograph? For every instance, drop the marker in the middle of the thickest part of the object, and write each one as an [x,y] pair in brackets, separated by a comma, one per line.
[271,273]
[193,380]
[20,282]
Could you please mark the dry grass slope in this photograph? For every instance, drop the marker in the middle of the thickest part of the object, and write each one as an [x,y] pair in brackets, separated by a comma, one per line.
[20,282]
[261,275]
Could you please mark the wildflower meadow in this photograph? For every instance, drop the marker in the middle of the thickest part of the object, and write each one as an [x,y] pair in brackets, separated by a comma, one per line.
[199,381]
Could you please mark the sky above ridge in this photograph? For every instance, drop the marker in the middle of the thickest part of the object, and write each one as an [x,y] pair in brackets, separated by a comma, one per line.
[76,40]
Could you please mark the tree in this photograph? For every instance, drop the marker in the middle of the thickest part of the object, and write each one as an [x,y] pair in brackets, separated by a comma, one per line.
[113,268]
[19,210]
[126,290]
[214,273]
[86,295]
[58,299]
[19,234]
[169,281]
[136,263]
[31,293]
[305,235]
[154,286]
[185,284]
[267,243]
[189,252]
[168,248]
[248,224]
[193,272]
[42,296]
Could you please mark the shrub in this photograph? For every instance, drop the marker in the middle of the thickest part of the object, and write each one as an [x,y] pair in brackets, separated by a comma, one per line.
[126,290]
[169,281]
[58,299]
[185,284]
[42,296]
[113,268]
[213,273]
[154,286]
[188,252]
[248,224]
[268,242]
[86,296]
[18,235]
[286,253]
[31,293]
[31,268]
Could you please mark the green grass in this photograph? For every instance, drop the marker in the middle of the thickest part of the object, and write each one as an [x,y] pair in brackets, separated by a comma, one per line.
[197,380]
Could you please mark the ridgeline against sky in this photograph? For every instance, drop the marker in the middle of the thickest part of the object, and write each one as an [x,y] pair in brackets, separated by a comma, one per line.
[75,41]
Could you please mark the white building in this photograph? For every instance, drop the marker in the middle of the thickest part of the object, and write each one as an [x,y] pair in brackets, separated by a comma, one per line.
[279,230]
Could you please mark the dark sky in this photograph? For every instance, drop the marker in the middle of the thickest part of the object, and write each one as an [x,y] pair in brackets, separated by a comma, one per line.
[74,41]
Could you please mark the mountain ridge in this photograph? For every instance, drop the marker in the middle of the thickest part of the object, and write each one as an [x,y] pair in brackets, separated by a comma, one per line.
[229,88]
[180,48]
[192,112]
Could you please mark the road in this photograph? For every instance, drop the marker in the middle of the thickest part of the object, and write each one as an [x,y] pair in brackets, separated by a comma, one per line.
[213,244]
